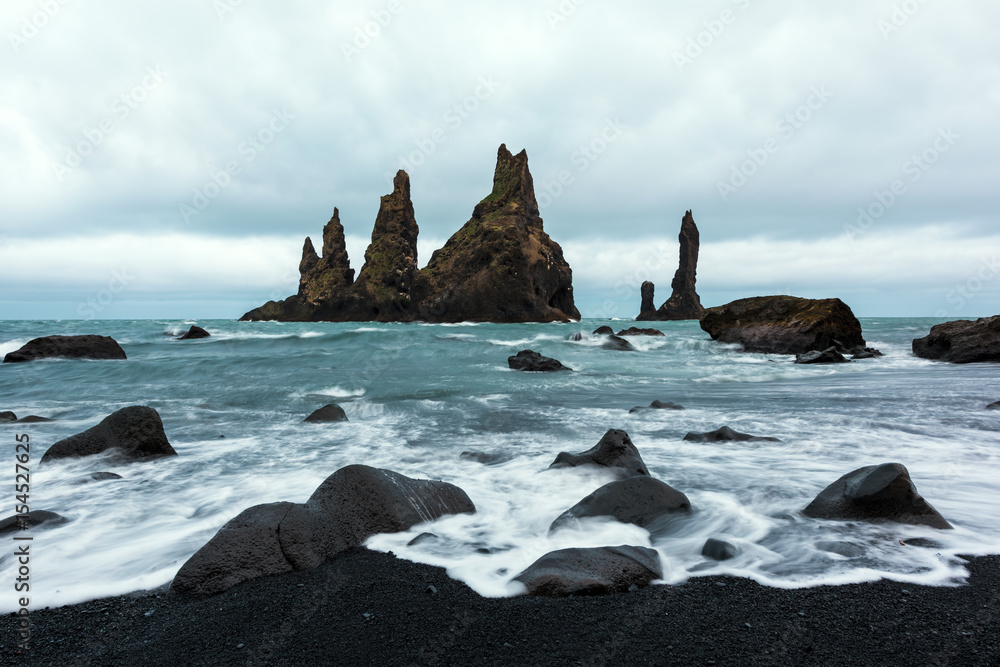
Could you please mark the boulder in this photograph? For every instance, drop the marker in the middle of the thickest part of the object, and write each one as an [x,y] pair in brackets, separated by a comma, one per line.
[726,434]
[864,353]
[97,477]
[618,344]
[500,266]
[33,419]
[353,504]
[578,336]
[875,493]
[993,406]
[684,303]
[615,450]
[827,356]
[7,417]
[194,333]
[962,341]
[657,405]
[529,360]
[486,458]
[640,500]
[784,324]
[636,331]
[719,549]
[327,413]
[33,519]
[73,347]
[595,571]
[135,433]
[604,331]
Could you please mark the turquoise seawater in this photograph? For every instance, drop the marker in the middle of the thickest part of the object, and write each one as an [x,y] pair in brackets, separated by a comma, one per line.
[418,395]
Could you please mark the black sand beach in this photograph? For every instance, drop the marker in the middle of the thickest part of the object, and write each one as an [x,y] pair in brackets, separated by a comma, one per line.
[369,608]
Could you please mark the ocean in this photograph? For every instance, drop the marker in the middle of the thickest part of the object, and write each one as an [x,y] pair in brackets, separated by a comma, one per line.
[418,395]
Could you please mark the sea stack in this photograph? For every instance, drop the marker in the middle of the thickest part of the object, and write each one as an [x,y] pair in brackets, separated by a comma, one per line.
[684,303]
[500,266]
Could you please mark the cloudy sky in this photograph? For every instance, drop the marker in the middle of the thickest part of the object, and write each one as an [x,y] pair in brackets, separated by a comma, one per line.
[166,159]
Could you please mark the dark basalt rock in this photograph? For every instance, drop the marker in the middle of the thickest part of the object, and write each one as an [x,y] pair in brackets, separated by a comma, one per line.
[784,324]
[73,347]
[640,500]
[993,406]
[726,434]
[578,336]
[962,341]
[595,571]
[194,333]
[486,458]
[423,538]
[875,493]
[353,504]
[684,303]
[618,344]
[33,519]
[864,353]
[7,417]
[98,477]
[657,405]
[135,432]
[615,450]
[636,331]
[499,267]
[529,360]
[604,331]
[719,549]
[33,419]
[327,413]
[827,356]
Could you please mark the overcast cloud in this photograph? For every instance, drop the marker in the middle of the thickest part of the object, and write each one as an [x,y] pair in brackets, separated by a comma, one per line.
[180,152]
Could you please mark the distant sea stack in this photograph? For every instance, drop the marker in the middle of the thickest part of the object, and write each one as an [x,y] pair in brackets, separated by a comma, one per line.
[683,303]
[500,266]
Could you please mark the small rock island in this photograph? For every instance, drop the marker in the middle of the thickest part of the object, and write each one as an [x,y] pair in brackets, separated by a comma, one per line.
[684,303]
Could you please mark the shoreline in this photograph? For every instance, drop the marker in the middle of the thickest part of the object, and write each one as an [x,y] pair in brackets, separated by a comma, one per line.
[367,607]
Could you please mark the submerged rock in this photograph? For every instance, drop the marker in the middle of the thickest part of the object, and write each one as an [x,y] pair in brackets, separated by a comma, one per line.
[617,343]
[135,432]
[604,331]
[73,347]
[993,406]
[615,450]
[33,419]
[640,500]
[962,341]
[328,413]
[636,331]
[827,356]
[33,519]
[719,549]
[594,571]
[353,504]
[684,303]
[726,434]
[784,324]
[98,477]
[657,405]
[194,333]
[529,360]
[7,416]
[500,266]
[875,493]
[486,458]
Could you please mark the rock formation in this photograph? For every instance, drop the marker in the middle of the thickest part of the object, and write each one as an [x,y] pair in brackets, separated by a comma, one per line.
[327,413]
[529,360]
[615,451]
[726,434]
[784,324]
[500,266]
[134,434]
[640,500]
[74,347]
[594,571]
[194,333]
[683,303]
[962,341]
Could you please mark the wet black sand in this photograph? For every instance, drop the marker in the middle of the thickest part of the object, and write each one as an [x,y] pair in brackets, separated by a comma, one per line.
[367,608]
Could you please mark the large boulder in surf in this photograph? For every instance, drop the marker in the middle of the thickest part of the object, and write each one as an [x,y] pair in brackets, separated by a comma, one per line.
[962,341]
[641,500]
[71,347]
[784,324]
[594,571]
[684,303]
[618,344]
[993,406]
[529,360]
[327,413]
[500,266]
[875,493]
[636,331]
[353,504]
[7,416]
[130,434]
[194,333]
[33,519]
[828,356]
[614,451]
[726,434]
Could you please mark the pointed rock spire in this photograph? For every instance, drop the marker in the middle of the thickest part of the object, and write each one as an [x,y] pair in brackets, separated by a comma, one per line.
[684,303]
